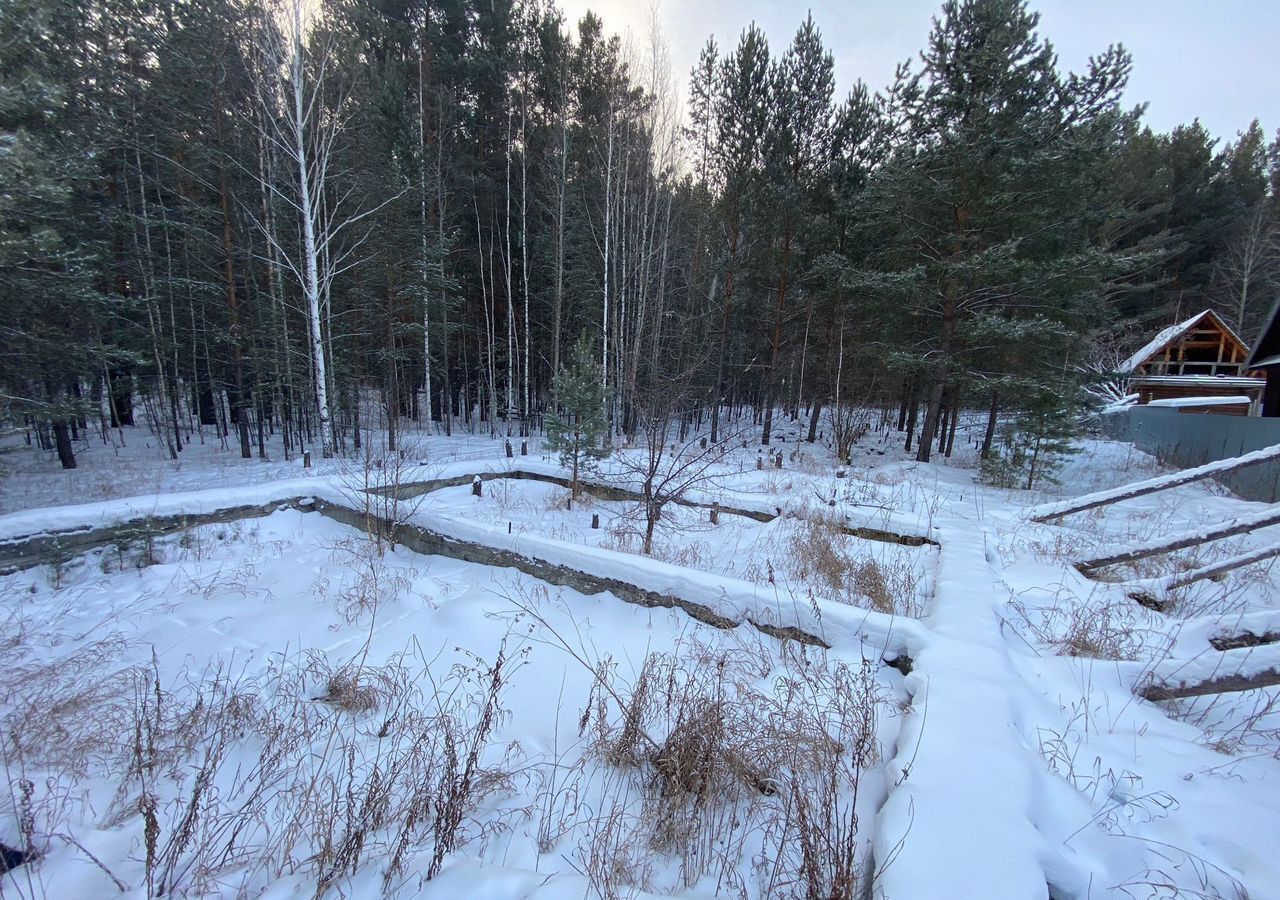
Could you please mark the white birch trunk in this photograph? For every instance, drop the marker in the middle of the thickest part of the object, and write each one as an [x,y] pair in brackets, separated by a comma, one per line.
[308,208]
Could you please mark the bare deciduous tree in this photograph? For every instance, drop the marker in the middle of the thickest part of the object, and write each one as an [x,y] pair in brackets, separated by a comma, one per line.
[304,118]
[1246,269]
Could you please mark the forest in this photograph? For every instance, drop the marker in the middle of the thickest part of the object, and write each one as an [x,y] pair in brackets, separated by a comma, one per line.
[292,223]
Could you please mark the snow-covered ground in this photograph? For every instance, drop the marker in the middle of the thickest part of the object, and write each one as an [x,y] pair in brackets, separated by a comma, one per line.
[279,707]
[137,463]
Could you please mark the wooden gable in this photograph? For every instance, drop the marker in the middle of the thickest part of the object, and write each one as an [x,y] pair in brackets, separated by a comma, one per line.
[1203,345]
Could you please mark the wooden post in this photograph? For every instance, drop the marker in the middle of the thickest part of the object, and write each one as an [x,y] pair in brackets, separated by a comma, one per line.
[306,459]
[703,443]
[524,448]
[595,520]
[510,452]
[477,487]
[715,513]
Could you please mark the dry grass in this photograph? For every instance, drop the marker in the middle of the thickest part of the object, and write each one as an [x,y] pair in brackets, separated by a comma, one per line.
[365,582]
[723,762]
[1102,627]
[821,556]
[227,778]
[626,536]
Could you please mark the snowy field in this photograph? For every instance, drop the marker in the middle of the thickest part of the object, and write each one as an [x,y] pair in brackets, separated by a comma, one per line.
[283,706]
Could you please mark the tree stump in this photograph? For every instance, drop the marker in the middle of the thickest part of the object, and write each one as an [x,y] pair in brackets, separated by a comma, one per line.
[306,459]
[595,520]
[715,513]
[524,448]
[477,487]
[510,453]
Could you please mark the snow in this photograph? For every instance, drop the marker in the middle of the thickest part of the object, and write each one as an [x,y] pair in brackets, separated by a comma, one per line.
[1165,336]
[1013,760]
[1180,402]
[1127,402]
[1150,485]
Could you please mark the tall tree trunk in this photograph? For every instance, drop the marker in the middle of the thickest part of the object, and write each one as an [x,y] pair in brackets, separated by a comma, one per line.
[608,231]
[934,409]
[775,338]
[912,411]
[62,440]
[391,395]
[718,399]
[992,415]
[422,177]
[170,431]
[240,408]
[524,257]
[558,296]
[309,208]
[951,430]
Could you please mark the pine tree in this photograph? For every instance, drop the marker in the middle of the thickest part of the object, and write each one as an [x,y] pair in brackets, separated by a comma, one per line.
[798,157]
[993,190]
[742,117]
[50,332]
[577,421]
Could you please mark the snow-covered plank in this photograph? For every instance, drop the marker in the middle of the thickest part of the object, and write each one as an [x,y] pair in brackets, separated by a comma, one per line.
[1230,528]
[1220,568]
[734,599]
[1048,511]
[1216,672]
[1191,402]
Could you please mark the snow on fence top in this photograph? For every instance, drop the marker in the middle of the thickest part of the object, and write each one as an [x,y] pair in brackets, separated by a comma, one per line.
[1201,401]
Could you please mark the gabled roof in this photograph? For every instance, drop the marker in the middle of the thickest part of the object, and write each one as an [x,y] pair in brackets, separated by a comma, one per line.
[1266,348]
[1171,334]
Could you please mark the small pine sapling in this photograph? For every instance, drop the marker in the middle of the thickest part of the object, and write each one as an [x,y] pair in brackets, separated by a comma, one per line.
[1042,432]
[576,422]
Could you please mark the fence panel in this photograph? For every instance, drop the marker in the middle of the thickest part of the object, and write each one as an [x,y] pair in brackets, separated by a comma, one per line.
[1186,439]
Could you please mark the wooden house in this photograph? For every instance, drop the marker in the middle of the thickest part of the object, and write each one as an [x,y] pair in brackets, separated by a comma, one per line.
[1265,359]
[1198,359]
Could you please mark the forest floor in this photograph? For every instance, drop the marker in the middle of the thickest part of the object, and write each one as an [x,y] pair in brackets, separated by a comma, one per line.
[285,706]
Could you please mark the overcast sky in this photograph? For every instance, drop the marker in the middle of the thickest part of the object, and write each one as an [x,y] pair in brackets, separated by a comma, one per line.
[1216,60]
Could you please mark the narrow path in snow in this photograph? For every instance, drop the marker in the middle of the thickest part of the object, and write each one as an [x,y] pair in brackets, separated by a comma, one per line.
[959,823]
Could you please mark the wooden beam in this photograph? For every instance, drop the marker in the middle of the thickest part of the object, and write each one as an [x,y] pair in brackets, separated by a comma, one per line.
[1240,525]
[1220,568]
[1225,685]
[1140,488]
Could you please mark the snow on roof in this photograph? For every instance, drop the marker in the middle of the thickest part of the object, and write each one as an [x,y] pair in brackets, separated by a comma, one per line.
[1168,335]
[1173,333]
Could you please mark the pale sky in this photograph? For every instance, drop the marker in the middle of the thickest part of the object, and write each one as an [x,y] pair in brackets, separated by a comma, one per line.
[1216,60]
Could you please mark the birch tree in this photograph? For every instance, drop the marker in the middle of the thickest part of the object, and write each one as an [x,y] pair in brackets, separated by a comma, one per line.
[306,119]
